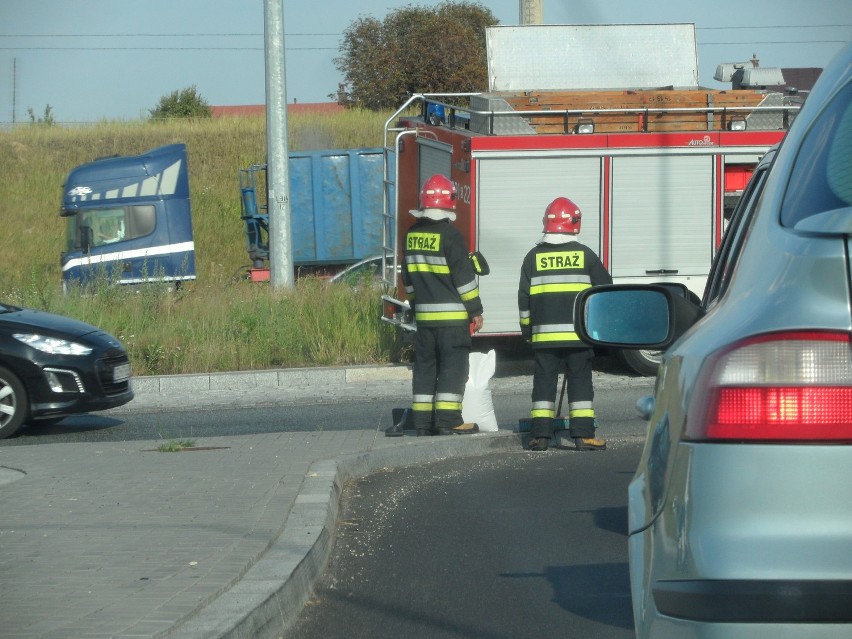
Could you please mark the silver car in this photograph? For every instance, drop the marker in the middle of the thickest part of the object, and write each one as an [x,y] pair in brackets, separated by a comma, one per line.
[740,511]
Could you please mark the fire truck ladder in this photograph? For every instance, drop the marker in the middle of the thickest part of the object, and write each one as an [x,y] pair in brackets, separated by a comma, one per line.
[393,135]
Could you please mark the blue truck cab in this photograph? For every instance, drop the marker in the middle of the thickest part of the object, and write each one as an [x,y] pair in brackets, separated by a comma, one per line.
[129,219]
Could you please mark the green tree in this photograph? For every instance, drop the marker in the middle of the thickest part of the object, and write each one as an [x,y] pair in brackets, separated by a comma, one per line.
[187,103]
[47,120]
[414,50]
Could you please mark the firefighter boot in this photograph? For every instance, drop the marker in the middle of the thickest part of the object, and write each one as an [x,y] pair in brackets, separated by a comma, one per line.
[462,429]
[539,443]
[589,443]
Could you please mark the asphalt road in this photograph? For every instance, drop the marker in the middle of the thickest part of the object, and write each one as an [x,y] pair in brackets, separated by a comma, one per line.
[503,546]
[614,406]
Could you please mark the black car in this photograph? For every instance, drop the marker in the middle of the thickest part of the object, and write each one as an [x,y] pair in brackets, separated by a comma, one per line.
[53,366]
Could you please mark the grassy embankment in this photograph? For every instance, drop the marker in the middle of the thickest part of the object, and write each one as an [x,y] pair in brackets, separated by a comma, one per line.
[220,322]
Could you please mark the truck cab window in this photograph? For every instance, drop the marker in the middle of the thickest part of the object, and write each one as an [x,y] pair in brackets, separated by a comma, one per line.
[98,227]
[142,220]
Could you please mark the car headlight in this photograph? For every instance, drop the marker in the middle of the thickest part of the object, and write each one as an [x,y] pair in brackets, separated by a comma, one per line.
[53,345]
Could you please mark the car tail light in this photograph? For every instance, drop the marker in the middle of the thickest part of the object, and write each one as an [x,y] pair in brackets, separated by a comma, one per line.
[782,387]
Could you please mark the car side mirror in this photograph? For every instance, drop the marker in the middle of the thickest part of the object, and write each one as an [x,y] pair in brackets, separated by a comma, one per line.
[649,316]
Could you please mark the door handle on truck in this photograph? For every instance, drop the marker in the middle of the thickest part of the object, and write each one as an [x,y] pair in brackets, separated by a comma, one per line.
[662,271]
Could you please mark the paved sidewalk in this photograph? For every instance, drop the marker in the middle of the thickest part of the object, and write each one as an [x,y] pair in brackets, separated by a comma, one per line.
[120,540]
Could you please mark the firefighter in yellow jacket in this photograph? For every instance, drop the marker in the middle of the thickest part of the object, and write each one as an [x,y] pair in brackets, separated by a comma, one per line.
[442,290]
[554,271]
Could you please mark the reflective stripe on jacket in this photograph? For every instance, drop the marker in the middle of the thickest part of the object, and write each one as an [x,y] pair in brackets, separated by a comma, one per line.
[438,276]
[551,277]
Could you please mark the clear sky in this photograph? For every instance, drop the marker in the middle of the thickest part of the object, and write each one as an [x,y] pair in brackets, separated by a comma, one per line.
[114,59]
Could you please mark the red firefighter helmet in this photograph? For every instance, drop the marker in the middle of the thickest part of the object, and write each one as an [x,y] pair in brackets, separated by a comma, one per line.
[562,216]
[438,193]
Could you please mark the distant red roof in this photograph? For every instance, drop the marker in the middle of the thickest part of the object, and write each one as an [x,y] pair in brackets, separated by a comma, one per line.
[250,110]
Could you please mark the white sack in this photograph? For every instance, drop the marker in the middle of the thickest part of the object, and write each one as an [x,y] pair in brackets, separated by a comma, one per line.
[477,405]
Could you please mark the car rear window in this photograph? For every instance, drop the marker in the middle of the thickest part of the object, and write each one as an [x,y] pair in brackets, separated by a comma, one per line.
[821,179]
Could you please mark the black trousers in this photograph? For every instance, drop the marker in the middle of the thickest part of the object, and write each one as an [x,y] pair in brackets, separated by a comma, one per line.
[439,375]
[577,363]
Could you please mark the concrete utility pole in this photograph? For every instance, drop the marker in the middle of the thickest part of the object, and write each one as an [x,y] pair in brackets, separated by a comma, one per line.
[277,158]
[531,12]
[14,87]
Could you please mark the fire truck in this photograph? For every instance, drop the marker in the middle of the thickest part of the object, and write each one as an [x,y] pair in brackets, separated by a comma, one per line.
[655,172]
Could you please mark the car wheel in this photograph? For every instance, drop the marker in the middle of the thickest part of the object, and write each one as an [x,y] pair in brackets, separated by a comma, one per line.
[639,361]
[14,405]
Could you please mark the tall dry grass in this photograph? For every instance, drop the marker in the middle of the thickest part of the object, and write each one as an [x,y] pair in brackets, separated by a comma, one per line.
[220,322]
